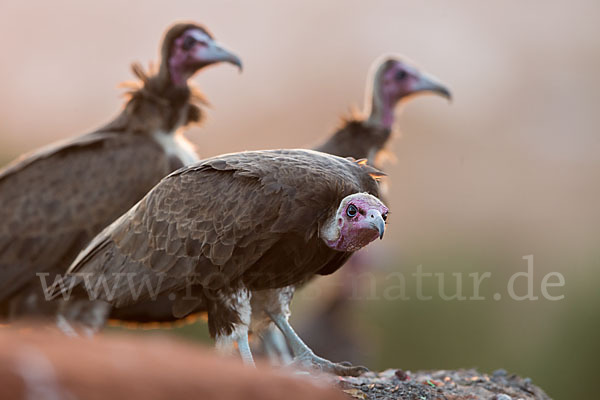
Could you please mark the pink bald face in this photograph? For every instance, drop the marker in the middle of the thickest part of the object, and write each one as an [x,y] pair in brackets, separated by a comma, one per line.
[360,219]
[400,80]
[396,80]
[193,50]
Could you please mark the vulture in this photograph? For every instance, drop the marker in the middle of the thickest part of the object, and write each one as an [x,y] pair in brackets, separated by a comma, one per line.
[392,81]
[233,234]
[55,200]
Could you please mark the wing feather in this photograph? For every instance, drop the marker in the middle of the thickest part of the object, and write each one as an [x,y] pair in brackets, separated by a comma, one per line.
[234,215]
[54,201]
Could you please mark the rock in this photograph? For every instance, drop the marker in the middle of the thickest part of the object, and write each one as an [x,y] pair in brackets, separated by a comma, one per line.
[442,384]
[37,363]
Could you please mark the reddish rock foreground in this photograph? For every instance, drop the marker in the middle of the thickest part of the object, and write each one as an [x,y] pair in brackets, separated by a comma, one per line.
[36,363]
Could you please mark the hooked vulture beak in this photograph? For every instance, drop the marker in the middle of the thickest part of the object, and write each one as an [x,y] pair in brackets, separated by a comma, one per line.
[429,84]
[216,53]
[377,222]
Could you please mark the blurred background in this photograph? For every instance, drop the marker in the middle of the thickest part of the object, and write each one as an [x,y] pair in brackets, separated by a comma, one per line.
[509,169]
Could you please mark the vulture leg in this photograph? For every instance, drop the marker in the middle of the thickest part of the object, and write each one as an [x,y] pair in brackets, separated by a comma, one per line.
[244,349]
[225,345]
[239,334]
[65,326]
[89,316]
[305,357]
[276,346]
[264,303]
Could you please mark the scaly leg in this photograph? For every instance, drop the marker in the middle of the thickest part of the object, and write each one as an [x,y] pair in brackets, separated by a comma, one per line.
[275,346]
[239,335]
[305,357]
[86,316]
[65,327]
[244,349]
[225,345]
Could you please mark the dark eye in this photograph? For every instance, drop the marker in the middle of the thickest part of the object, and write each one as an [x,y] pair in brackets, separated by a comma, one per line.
[400,75]
[188,43]
[384,216]
[351,211]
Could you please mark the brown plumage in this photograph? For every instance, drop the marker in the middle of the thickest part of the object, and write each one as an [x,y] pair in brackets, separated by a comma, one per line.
[251,220]
[231,235]
[357,139]
[54,202]
[57,199]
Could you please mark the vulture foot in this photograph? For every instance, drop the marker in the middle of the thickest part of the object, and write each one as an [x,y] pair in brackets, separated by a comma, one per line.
[305,358]
[312,362]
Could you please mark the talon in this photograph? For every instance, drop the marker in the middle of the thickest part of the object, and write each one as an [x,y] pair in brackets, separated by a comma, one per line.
[351,370]
[312,362]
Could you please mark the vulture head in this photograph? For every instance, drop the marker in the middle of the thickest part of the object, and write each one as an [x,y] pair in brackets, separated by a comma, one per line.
[393,81]
[189,47]
[359,219]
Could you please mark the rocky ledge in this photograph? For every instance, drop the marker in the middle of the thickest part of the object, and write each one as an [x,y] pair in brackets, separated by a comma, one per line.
[447,385]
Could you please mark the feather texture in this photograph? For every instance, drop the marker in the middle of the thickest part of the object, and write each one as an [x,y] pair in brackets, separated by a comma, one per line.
[356,138]
[245,219]
[56,200]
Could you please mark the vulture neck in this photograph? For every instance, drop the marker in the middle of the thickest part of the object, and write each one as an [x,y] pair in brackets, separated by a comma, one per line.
[381,112]
[173,73]
[157,106]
